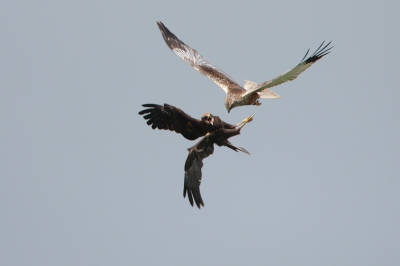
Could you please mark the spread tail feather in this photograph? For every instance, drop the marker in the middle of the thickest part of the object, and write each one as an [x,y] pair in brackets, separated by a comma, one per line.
[268,94]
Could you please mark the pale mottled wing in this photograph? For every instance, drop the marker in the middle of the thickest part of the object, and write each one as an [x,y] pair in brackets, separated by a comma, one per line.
[293,73]
[193,165]
[198,62]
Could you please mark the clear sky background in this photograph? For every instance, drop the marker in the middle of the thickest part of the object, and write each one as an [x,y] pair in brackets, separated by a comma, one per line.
[84,180]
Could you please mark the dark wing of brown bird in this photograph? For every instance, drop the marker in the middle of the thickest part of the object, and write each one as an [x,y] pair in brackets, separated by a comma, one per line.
[196,60]
[193,165]
[169,117]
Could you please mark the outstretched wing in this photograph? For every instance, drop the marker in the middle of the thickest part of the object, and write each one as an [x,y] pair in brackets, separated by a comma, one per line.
[198,62]
[193,165]
[169,117]
[293,73]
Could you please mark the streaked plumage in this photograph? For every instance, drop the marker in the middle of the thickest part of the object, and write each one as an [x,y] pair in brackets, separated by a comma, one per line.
[214,130]
[237,95]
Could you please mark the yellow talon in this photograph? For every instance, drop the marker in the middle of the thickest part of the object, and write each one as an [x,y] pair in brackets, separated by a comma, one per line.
[249,119]
[245,121]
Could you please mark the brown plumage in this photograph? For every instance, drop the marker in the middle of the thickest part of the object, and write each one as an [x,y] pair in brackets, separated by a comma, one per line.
[237,95]
[214,130]
[169,117]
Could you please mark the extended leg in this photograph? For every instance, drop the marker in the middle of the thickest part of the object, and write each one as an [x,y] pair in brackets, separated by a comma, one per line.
[245,121]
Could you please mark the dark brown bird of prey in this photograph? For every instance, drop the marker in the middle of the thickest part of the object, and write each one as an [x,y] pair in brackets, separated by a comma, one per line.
[237,95]
[211,128]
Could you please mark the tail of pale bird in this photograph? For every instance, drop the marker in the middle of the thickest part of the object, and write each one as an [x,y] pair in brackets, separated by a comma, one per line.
[268,94]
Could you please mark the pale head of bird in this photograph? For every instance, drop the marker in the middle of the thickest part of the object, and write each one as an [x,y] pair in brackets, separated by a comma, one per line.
[229,103]
[208,118]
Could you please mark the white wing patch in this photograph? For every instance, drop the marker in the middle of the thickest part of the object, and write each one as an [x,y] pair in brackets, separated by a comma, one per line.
[248,85]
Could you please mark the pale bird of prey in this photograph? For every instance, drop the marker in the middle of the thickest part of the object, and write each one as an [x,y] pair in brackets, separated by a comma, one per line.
[210,127]
[237,95]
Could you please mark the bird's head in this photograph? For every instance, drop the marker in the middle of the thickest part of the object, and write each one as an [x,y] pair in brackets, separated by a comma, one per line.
[208,118]
[229,104]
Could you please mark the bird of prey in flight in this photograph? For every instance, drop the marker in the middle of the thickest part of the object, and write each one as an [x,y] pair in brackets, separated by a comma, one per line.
[237,95]
[210,127]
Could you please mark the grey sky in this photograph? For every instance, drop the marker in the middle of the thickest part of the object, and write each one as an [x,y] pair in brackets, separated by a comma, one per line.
[84,180]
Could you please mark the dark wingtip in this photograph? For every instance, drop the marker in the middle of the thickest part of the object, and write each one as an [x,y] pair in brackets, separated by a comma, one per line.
[160,25]
[318,54]
[304,56]
[150,105]
[194,197]
[199,203]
